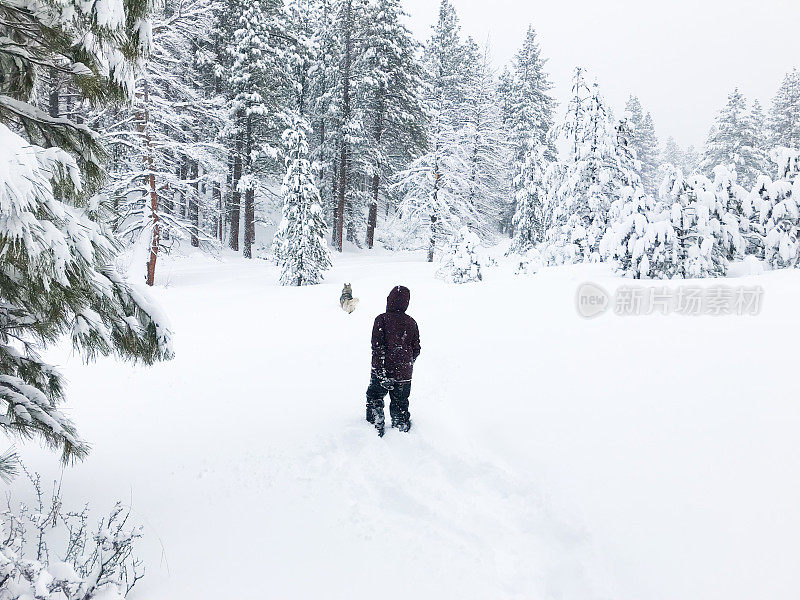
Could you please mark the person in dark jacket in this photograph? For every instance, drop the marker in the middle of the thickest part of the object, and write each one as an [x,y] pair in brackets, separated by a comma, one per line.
[395,347]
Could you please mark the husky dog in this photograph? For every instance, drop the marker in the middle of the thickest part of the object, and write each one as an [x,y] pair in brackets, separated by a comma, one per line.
[347,301]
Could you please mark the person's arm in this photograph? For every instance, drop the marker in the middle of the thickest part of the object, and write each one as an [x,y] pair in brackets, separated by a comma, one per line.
[416,348]
[379,348]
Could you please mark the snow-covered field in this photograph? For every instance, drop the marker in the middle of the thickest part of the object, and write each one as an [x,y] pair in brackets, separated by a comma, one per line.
[620,458]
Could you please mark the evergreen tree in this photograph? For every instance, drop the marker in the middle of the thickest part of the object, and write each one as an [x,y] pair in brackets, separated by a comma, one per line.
[57,275]
[777,205]
[45,39]
[708,234]
[530,108]
[592,179]
[257,87]
[393,113]
[490,154]
[734,141]
[299,245]
[163,150]
[527,109]
[672,153]
[531,215]
[784,116]
[691,160]
[645,144]
[435,187]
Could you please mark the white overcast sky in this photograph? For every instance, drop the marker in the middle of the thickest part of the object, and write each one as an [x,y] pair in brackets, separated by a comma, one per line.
[681,57]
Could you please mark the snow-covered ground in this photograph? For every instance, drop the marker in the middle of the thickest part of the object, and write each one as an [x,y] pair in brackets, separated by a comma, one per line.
[551,457]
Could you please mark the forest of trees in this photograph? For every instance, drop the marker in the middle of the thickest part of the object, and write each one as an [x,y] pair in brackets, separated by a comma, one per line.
[407,143]
[127,125]
[326,122]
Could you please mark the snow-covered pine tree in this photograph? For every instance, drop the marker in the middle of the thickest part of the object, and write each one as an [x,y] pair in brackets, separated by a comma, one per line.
[395,120]
[672,153]
[463,264]
[707,234]
[258,86]
[490,154]
[528,110]
[691,160]
[322,104]
[625,243]
[591,181]
[299,245]
[777,204]
[435,186]
[733,141]
[645,144]
[346,112]
[529,105]
[784,115]
[163,148]
[92,46]
[57,275]
[531,218]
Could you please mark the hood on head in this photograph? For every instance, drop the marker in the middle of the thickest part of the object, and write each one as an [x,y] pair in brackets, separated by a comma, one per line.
[398,299]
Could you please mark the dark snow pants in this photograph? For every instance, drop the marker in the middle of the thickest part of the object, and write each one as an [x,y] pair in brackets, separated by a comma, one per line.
[398,406]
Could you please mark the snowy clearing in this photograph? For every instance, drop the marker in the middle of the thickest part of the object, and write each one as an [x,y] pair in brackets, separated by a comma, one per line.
[551,457]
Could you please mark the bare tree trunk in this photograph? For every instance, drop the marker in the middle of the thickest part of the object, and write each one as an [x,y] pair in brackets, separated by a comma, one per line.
[216,194]
[52,104]
[335,201]
[236,195]
[184,175]
[372,221]
[194,203]
[343,157]
[142,118]
[432,245]
[249,196]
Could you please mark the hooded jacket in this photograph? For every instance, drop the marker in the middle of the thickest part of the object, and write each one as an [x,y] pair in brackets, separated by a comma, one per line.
[395,338]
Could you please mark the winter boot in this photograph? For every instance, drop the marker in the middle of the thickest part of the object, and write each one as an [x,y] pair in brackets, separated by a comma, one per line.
[378,420]
[404,426]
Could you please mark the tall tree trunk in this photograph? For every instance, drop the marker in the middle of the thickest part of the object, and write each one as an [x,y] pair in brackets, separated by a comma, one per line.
[216,194]
[184,175]
[194,203]
[343,157]
[335,201]
[372,221]
[236,195]
[432,244]
[249,196]
[52,104]
[142,118]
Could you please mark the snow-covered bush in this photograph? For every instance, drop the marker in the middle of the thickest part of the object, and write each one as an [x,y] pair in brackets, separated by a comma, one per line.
[529,263]
[777,204]
[464,262]
[87,564]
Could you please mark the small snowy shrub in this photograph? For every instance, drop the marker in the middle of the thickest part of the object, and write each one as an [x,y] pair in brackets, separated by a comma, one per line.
[89,563]
[464,263]
[528,263]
